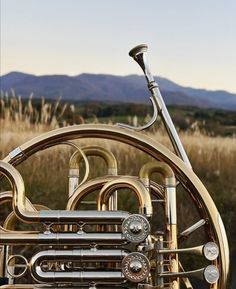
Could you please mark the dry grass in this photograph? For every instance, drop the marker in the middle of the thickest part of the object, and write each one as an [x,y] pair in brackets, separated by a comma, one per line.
[213,159]
[45,174]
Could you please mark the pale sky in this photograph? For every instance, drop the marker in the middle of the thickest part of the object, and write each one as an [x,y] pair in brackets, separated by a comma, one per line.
[191,42]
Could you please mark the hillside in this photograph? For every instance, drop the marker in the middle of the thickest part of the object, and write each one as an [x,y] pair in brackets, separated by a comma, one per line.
[110,88]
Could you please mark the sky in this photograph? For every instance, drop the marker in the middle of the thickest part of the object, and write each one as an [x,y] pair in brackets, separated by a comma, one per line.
[192,43]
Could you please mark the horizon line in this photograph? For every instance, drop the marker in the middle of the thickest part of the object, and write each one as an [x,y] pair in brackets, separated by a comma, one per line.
[118,75]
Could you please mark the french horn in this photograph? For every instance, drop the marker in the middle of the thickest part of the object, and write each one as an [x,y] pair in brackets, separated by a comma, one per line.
[108,247]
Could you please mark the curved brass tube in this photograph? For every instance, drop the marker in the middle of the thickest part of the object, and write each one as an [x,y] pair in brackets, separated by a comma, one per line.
[59,216]
[170,186]
[150,122]
[75,160]
[74,171]
[99,277]
[10,237]
[18,188]
[79,255]
[7,196]
[108,157]
[145,202]
[97,184]
[85,189]
[75,255]
[139,54]
[135,228]
[10,221]
[9,226]
[170,203]
[189,180]
[157,167]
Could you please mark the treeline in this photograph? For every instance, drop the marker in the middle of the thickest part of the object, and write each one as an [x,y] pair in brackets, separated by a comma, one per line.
[213,122]
[210,121]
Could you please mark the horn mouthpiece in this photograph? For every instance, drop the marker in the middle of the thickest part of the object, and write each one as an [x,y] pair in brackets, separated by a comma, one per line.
[138,49]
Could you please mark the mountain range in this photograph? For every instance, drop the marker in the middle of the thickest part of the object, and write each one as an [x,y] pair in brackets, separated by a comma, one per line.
[111,88]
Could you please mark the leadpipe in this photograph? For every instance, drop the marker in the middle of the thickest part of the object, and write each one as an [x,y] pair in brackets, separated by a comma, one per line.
[139,54]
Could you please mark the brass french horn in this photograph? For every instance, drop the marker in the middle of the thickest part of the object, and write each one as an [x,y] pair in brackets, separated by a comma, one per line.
[107,247]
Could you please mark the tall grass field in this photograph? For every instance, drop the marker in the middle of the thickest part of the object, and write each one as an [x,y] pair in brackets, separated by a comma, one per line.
[45,174]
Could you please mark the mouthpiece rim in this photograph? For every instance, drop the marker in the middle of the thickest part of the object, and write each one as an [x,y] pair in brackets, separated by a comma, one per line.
[141,48]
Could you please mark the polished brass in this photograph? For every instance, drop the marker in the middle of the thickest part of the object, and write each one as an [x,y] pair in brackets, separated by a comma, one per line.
[170,205]
[156,150]
[139,54]
[34,216]
[75,160]
[72,251]
[9,225]
[145,203]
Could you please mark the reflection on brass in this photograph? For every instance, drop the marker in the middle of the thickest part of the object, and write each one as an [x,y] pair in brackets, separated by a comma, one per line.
[105,246]
[75,160]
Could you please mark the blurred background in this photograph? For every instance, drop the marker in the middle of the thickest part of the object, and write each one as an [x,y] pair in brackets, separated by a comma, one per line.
[66,62]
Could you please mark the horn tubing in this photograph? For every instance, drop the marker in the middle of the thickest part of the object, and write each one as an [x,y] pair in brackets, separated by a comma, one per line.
[170,203]
[192,183]
[158,167]
[108,157]
[111,163]
[80,255]
[85,189]
[139,54]
[97,184]
[34,216]
[100,277]
[16,238]
[145,202]
[9,226]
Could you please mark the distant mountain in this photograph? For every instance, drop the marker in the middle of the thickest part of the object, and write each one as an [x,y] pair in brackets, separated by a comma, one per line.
[104,87]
